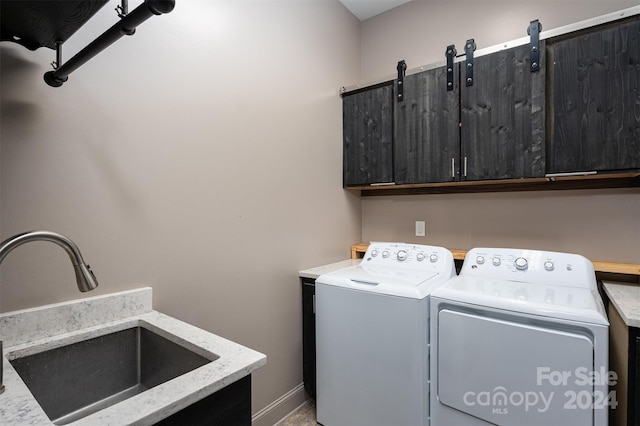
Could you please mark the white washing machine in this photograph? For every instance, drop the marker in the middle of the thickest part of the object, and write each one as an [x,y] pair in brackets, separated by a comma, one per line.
[520,338]
[372,336]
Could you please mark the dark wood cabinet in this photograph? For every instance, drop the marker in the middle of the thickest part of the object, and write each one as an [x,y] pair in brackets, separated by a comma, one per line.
[493,129]
[578,114]
[633,398]
[624,360]
[594,77]
[230,406]
[368,136]
[309,335]
[426,127]
[503,117]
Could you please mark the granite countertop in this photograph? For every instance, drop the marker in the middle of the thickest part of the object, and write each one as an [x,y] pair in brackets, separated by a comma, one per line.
[626,299]
[325,269]
[34,330]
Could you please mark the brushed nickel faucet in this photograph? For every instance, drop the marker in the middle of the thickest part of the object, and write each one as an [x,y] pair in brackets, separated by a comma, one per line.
[84,275]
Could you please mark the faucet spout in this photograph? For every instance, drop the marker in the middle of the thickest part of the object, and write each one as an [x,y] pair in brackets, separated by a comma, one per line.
[85,278]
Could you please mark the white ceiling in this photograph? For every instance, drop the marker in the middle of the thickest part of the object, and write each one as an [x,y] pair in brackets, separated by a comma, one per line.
[365,9]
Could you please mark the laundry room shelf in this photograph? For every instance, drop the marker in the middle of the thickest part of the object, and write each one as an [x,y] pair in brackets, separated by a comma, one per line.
[597,181]
[358,250]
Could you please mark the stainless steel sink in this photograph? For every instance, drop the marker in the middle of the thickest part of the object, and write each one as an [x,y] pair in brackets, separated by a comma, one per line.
[79,379]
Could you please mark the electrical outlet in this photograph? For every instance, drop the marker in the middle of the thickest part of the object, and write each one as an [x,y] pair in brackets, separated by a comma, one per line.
[420,228]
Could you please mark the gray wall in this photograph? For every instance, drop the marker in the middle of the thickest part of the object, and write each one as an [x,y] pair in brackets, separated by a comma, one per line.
[602,225]
[202,157]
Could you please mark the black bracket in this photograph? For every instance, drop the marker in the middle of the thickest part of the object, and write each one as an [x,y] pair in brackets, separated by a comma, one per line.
[58,62]
[123,11]
[402,68]
[123,8]
[534,49]
[469,48]
[450,54]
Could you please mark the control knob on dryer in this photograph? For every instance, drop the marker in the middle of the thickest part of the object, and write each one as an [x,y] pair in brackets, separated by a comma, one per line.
[420,257]
[402,255]
[521,264]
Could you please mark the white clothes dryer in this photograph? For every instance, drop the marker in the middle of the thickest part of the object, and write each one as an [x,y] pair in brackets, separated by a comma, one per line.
[372,336]
[520,338]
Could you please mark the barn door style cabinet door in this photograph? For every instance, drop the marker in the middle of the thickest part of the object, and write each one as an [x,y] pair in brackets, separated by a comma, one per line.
[368,136]
[426,128]
[503,116]
[594,79]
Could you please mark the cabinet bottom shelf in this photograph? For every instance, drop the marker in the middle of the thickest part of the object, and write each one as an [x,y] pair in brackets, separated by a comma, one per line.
[596,181]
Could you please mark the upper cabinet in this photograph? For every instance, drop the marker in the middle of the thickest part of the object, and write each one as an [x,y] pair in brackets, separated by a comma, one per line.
[426,128]
[571,121]
[503,116]
[594,79]
[368,136]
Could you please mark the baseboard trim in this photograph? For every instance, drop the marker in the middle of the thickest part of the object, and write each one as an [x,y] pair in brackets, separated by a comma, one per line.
[281,407]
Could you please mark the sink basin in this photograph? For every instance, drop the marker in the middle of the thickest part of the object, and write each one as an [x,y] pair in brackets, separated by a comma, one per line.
[79,379]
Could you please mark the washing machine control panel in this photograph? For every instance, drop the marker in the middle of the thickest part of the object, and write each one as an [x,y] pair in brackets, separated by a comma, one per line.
[532,266]
[408,256]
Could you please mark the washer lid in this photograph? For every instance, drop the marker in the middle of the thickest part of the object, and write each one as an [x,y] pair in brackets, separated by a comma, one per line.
[392,281]
[571,303]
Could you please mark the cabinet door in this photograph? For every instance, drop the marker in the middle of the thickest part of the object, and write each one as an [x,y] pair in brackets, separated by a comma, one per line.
[595,96]
[633,402]
[309,336]
[368,136]
[427,132]
[502,116]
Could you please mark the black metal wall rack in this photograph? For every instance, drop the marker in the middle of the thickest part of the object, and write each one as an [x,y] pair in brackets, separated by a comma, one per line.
[35,24]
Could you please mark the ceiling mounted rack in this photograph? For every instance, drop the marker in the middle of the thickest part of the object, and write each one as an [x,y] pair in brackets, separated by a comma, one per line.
[35,24]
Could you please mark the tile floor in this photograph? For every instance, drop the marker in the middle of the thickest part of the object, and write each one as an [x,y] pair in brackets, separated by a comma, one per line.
[305,415]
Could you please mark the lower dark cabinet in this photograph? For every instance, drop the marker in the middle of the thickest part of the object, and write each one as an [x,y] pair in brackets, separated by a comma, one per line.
[230,406]
[309,335]
[633,398]
[624,360]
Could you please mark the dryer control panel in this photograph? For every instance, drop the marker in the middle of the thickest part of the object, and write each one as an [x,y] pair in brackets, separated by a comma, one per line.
[531,266]
[408,256]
